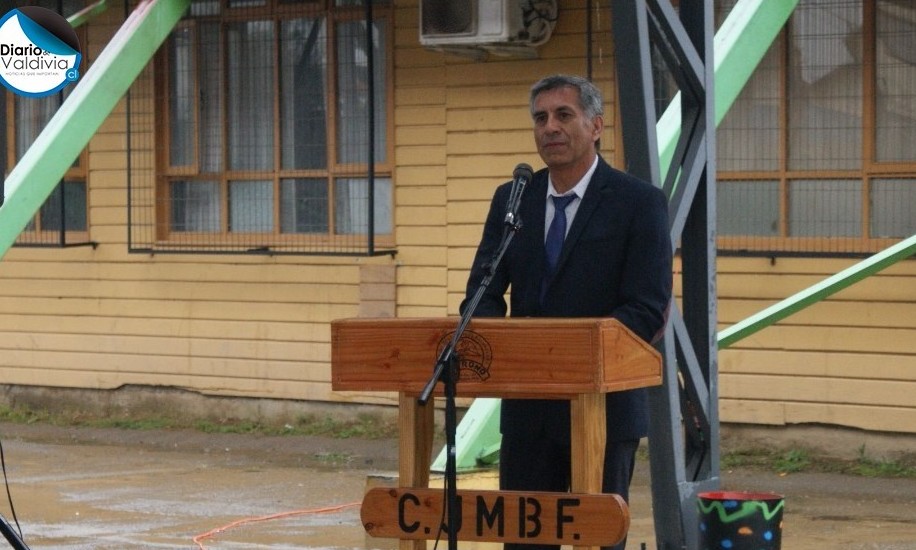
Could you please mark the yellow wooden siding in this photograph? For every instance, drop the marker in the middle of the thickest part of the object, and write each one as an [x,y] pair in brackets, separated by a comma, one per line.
[420,153]
[811,389]
[377,291]
[848,360]
[103,333]
[859,313]
[836,365]
[191,291]
[773,412]
[755,285]
[316,311]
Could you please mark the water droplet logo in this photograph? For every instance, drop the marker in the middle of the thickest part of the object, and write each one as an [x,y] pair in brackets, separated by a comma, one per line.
[39,52]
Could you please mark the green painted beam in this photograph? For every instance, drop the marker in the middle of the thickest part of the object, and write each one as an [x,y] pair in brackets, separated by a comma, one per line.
[88,13]
[740,43]
[68,132]
[900,251]
[475,438]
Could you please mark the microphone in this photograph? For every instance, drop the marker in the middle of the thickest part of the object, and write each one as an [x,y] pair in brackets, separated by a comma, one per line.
[520,178]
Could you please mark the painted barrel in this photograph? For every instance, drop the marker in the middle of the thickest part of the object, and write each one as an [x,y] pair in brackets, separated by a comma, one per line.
[735,520]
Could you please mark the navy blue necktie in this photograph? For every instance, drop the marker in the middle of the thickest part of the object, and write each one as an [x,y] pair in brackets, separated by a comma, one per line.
[556,233]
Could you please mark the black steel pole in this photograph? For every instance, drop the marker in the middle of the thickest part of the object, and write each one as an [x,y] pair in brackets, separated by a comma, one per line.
[11,536]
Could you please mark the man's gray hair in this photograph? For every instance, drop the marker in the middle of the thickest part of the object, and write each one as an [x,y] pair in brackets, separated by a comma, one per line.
[590,100]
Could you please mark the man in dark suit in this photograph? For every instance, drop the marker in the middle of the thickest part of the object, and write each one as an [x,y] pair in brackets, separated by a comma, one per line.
[615,261]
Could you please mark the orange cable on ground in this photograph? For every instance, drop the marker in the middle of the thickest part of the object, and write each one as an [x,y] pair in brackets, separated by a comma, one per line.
[197,539]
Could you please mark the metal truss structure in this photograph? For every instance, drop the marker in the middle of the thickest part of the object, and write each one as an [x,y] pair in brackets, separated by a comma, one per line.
[683,437]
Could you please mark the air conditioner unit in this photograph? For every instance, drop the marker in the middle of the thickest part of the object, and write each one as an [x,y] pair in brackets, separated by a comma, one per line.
[446,23]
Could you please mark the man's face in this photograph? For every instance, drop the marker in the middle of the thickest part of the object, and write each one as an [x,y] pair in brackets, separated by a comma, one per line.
[565,136]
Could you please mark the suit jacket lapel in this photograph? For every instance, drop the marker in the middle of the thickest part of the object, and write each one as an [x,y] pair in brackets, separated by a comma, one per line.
[594,194]
[533,212]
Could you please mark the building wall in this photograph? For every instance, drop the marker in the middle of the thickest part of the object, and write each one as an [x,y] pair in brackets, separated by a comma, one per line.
[258,326]
[231,325]
[847,361]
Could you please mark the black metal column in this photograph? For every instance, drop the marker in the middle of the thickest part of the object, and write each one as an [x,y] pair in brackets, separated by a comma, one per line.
[684,435]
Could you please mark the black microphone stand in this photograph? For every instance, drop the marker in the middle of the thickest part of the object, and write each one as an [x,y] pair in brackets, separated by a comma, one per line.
[446,370]
[11,536]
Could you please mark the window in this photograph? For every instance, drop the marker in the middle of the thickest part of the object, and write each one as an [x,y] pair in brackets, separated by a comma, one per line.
[816,154]
[63,219]
[275,128]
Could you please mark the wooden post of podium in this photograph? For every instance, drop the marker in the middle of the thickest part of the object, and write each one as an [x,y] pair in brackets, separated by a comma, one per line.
[415,448]
[588,423]
[577,359]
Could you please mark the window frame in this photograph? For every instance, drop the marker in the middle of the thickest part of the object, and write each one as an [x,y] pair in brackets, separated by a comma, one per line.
[34,235]
[277,12]
[870,169]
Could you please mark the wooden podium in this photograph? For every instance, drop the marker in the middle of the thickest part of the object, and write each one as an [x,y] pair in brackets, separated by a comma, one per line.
[578,359]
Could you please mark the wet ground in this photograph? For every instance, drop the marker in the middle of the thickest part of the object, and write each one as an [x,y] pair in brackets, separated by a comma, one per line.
[120,489]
